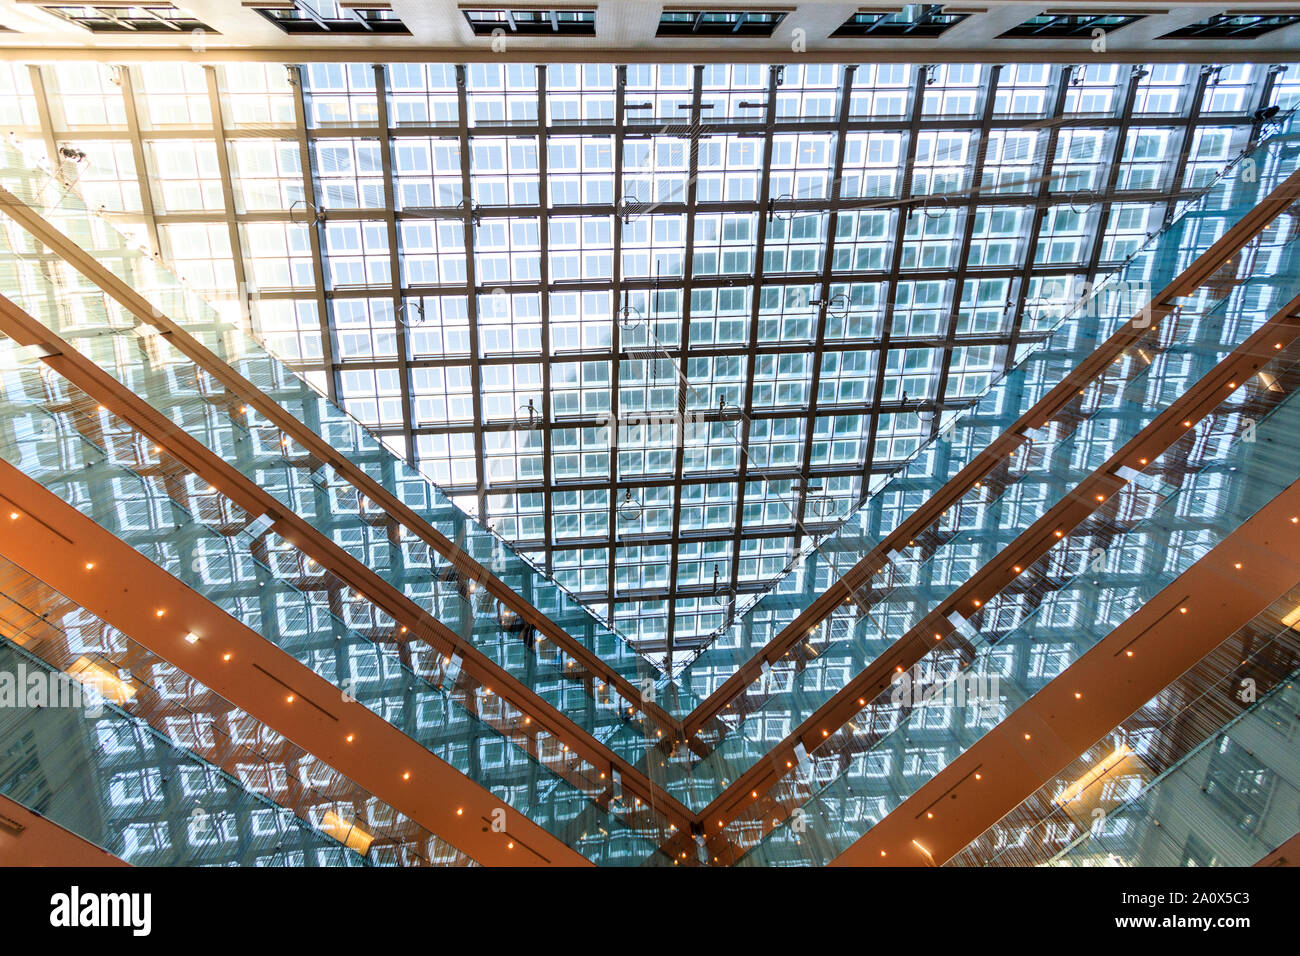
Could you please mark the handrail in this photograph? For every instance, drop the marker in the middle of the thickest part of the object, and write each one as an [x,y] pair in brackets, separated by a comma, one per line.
[1062,725]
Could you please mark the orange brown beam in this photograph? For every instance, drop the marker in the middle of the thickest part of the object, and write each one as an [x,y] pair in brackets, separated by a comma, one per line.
[57,544]
[1198,272]
[1288,854]
[29,839]
[1222,592]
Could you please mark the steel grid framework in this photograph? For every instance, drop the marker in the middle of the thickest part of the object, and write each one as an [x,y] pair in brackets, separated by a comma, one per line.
[667,616]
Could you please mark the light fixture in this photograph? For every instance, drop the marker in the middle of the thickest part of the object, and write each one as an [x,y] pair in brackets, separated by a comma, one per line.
[90,565]
[346,832]
[1104,767]
[191,638]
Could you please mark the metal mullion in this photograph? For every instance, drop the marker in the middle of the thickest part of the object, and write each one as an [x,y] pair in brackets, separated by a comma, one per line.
[742,127]
[218,133]
[616,343]
[548,414]
[395,262]
[688,272]
[311,15]
[891,277]
[315,234]
[1188,129]
[1042,197]
[1112,178]
[747,410]
[832,223]
[45,118]
[963,250]
[131,108]
[471,286]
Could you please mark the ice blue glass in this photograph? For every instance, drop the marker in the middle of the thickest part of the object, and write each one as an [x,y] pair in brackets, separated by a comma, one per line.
[1155,371]
[155,695]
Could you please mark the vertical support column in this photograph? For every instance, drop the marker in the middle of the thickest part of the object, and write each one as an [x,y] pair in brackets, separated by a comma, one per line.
[315,220]
[471,288]
[683,399]
[989,99]
[616,331]
[1041,202]
[832,224]
[544,278]
[228,192]
[394,260]
[891,282]
[131,108]
[755,307]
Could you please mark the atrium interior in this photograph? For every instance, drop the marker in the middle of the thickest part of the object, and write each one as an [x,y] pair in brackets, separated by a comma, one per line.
[436,435]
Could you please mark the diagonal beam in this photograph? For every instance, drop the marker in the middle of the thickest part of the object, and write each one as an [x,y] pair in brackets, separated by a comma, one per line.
[1028,547]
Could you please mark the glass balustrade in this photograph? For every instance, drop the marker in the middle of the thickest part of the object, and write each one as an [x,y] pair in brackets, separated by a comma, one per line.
[357,523]
[1087,809]
[1230,802]
[95,770]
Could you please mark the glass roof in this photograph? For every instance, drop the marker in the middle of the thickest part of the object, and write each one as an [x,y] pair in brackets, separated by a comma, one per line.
[660,325]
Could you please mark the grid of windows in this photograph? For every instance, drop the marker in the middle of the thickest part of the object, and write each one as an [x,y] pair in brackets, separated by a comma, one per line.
[532,22]
[127,18]
[659,320]
[332,16]
[718,23]
[914,20]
